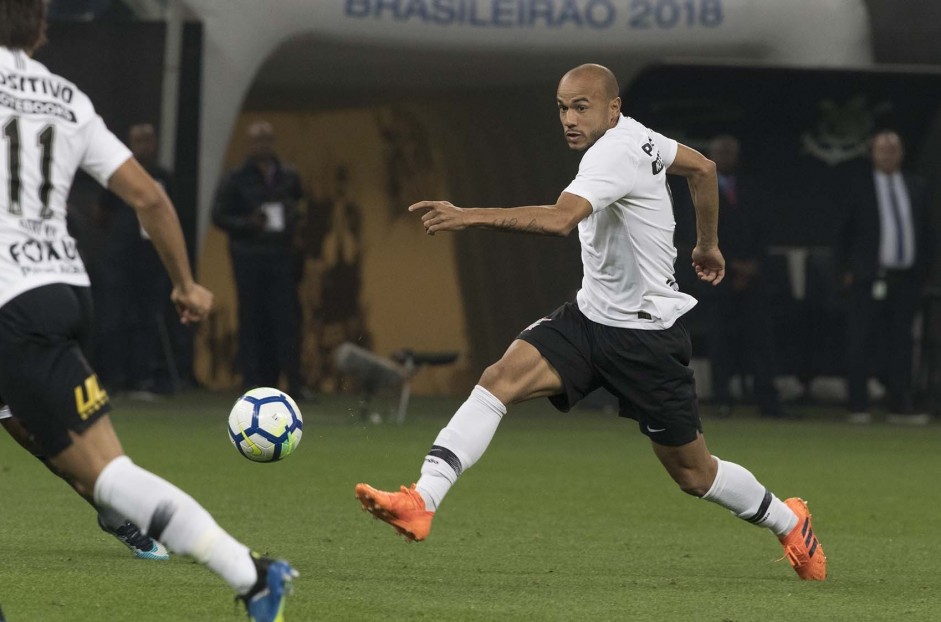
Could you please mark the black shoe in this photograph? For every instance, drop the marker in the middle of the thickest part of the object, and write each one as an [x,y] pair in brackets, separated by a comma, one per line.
[142,545]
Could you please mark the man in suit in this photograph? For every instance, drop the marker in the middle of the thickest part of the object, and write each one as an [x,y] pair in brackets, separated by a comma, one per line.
[741,332]
[885,247]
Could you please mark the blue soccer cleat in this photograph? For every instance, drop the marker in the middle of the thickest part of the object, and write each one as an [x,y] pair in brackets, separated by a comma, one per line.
[265,601]
[142,545]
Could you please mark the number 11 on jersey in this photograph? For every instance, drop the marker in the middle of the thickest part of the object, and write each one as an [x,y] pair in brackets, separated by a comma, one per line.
[45,138]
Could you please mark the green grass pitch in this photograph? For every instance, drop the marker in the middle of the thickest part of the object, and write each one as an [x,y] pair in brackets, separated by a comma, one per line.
[567,517]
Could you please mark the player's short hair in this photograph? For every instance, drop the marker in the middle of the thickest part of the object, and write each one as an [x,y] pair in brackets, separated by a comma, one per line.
[22,24]
[605,77]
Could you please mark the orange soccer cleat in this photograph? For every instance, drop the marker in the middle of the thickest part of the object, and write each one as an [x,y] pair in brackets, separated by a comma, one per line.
[801,547]
[404,510]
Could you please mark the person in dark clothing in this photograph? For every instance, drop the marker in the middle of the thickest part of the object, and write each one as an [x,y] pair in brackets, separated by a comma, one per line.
[885,250]
[741,335]
[131,288]
[257,205]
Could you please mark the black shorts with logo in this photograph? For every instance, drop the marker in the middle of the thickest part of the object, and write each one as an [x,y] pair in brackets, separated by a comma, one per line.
[44,377]
[648,370]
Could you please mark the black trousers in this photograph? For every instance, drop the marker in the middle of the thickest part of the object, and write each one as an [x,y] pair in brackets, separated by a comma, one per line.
[130,293]
[742,340]
[879,340]
[267,333]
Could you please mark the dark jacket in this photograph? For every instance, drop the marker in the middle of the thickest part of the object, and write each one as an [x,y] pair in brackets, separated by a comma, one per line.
[858,244]
[742,235]
[123,239]
[242,193]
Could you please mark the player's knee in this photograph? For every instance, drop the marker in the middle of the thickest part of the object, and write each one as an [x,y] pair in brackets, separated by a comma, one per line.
[505,382]
[491,377]
[693,483]
[500,381]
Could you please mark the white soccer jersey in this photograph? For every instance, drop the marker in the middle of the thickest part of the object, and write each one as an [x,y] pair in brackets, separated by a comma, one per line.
[48,129]
[627,241]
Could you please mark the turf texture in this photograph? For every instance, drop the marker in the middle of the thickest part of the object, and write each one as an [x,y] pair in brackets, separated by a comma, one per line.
[567,517]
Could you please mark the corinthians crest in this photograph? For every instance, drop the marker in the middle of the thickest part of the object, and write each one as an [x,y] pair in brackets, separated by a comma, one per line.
[842,131]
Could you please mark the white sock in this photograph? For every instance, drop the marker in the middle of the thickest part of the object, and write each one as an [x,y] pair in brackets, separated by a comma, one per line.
[459,445]
[109,518]
[736,489]
[171,516]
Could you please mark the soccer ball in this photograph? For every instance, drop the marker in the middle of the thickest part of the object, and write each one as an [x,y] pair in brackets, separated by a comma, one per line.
[265,425]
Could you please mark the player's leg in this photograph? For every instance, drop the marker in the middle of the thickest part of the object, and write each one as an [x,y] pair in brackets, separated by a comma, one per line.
[44,376]
[97,466]
[129,534]
[699,473]
[95,462]
[522,373]
[548,359]
[651,375]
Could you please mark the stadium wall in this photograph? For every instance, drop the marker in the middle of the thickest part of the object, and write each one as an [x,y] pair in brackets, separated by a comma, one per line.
[482,78]
[408,297]
[483,72]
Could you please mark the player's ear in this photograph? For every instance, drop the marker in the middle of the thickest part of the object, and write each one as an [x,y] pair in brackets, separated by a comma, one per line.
[615,107]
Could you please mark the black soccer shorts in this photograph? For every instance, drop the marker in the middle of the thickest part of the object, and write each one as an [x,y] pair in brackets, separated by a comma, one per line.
[44,377]
[648,370]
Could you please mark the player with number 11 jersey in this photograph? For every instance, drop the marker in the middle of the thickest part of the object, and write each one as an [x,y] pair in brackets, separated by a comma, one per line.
[48,130]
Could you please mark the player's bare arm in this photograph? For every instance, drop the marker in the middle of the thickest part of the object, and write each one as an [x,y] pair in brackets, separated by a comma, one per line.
[700,174]
[158,217]
[558,219]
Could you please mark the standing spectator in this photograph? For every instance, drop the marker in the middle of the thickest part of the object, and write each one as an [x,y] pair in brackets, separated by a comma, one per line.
[741,332]
[884,251]
[131,287]
[257,204]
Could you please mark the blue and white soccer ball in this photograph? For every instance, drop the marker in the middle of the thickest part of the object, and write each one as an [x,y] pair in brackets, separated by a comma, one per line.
[265,425]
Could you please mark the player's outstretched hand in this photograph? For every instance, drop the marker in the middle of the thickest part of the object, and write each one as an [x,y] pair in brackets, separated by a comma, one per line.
[709,264]
[439,216]
[193,304]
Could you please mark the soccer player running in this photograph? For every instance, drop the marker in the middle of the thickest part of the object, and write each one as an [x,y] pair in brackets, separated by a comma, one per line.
[621,332]
[48,129]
